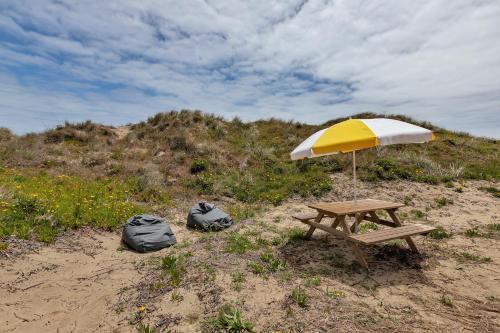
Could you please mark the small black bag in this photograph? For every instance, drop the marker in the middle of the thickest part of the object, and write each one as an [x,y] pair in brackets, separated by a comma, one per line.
[145,233]
[205,216]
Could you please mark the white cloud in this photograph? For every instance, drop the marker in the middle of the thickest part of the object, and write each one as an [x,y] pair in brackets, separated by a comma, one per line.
[120,61]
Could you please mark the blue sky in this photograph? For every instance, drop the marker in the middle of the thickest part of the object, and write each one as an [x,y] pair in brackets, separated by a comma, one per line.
[121,61]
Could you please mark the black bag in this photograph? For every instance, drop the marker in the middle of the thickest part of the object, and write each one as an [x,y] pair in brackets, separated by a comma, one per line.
[146,233]
[205,216]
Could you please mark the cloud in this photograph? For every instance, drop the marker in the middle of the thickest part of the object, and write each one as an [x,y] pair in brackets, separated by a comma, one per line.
[121,61]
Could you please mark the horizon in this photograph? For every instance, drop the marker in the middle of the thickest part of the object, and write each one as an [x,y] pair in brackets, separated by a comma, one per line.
[121,62]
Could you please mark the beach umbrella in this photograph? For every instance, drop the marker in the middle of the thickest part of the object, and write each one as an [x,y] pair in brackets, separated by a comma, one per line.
[355,134]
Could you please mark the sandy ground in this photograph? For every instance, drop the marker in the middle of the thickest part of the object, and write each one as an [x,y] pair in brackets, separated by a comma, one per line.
[86,282]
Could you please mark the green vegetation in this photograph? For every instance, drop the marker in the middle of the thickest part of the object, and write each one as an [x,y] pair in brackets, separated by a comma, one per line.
[493,227]
[237,243]
[443,201]
[296,234]
[299,297]
[42,204]
[418,214]
[313,282]
[256,267]
[173,267]
[439,233]
[491,190]
[446,300]
[229,319]
[333,293]
[86,174]
[237,280]
[466,256]
[142,328]
[198,166]
[365,227]
[272,264]
[338,259]
[473,232]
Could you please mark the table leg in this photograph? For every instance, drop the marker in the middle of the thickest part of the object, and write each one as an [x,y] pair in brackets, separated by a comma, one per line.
[354,246]
[395,219]
[311,229]
[358,218]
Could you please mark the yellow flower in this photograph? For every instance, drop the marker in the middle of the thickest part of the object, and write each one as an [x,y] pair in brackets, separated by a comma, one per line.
[141,308]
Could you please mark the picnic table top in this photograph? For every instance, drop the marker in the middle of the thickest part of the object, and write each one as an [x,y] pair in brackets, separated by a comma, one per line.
[353,207]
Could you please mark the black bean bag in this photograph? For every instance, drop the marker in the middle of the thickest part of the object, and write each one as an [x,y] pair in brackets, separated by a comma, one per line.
[145,233]
[205,216]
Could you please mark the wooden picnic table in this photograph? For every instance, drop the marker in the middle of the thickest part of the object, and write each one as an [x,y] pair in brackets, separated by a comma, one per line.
[362,210]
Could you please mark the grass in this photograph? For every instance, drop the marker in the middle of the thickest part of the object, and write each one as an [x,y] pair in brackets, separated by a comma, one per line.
[491,190]
[295,234]
[237,280]
[473,232]
[313,282]
[237,243]
[494,227]
[42,204]
[365,227]
[333,293]
[173,267]
[229,319]
[142,328]
[338,259]
[467,256]
[300,297]
[440,233]
[256,267]
[443,201]
[418,214]
[272,264]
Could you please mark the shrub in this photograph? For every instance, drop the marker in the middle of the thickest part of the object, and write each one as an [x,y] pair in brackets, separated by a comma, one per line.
[198,166]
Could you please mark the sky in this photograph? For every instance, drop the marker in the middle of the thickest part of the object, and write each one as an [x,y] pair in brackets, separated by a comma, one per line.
[117,62]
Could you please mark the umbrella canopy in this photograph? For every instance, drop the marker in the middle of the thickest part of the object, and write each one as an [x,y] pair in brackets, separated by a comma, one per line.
[356,134]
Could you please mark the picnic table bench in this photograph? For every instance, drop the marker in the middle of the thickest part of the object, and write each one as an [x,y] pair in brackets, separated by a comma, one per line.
[362,210]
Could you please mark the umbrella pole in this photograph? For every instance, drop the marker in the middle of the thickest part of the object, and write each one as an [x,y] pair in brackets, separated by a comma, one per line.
[354,174]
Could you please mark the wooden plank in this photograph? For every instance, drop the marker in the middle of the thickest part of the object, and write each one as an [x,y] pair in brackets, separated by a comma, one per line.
[393,233]
[353,207]
[409,241]
[317,220]
[305,216]
[325,228]
[357,220]
[354,246]
[380,221]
